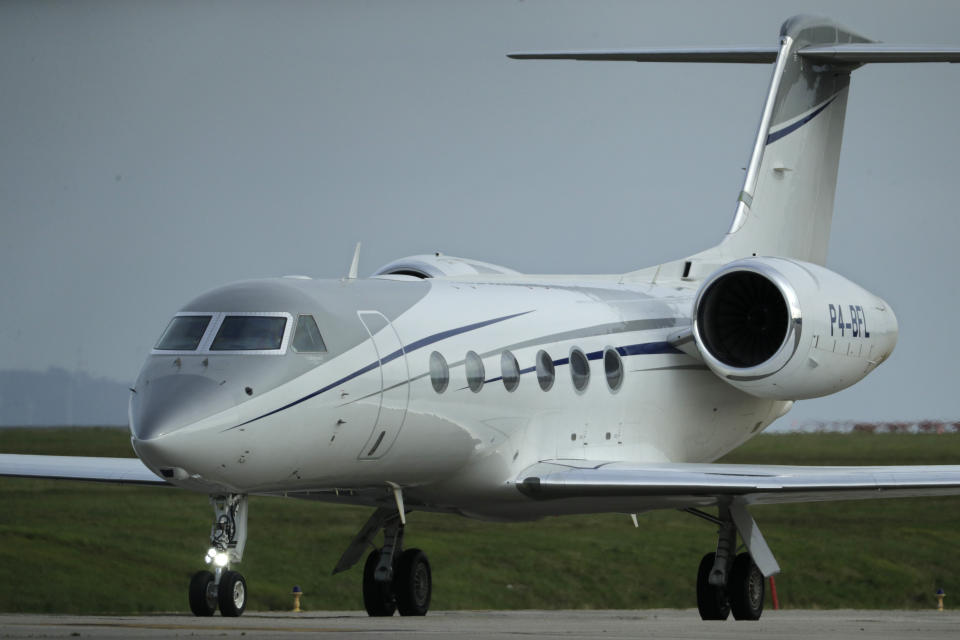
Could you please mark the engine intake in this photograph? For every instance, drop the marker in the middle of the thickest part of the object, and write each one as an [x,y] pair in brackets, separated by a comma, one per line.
[788,330]
[744,319]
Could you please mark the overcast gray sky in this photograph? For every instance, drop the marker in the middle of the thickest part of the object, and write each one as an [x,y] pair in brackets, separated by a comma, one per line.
[150,151]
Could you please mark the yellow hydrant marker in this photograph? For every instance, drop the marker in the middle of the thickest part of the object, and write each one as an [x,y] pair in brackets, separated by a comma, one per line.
[297,592]
[940,594]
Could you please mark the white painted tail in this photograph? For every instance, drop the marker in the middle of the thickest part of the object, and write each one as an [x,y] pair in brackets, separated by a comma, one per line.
[785,207]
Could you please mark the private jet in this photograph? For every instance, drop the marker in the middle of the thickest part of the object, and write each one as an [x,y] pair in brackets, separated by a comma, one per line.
[450,385]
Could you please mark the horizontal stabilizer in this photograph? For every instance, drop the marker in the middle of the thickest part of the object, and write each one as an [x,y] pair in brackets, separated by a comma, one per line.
[749,55]
[845,53]
[867,52]
[119,470]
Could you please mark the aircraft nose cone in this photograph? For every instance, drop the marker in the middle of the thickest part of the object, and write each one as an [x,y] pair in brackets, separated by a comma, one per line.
[169,402]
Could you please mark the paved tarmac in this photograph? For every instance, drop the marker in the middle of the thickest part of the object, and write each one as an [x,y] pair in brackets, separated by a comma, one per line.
[465,625]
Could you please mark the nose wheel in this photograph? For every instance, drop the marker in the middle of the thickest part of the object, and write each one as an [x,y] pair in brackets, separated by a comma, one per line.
[232,594]
[222,588]
[203,594]
[206,595]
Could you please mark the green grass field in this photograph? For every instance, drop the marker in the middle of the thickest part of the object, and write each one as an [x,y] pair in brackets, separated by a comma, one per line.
[97,548]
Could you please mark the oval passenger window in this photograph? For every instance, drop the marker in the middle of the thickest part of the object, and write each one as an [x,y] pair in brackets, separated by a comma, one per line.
[545,370]
[439,372]
[579,370]
[475,372]
[510,371]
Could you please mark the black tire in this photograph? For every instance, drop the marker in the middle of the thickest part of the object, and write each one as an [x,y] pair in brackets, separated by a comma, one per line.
[378,598]
[413,583]
[746,588]
[232,594]
[712,601]
[203,601]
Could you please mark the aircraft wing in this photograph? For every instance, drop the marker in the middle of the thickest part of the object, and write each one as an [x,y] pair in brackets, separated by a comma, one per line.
[687,484]
[118,470]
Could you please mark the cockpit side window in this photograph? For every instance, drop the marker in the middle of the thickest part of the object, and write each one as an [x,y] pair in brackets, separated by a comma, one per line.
[249,333]
[308,338]
[183,333]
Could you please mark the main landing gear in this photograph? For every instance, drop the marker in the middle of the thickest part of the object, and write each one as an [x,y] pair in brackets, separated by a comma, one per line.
[728,582]
[394,580]
[397,582]
[223,588]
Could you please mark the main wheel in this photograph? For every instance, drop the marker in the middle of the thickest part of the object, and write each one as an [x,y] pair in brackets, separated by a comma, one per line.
[378,598]
[232,594]
[711,601]
[746,588]
[203,598]
[413,583]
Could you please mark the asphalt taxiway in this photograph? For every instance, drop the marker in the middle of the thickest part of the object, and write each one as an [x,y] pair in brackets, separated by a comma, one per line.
[466,625]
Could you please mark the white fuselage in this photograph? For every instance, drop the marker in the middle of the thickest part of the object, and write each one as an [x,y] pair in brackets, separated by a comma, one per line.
[361,421]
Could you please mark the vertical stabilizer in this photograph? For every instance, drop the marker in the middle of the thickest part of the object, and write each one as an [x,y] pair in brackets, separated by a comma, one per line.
[786,205]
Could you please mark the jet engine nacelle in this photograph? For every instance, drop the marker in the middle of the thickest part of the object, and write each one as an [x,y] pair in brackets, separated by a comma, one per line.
[788,330]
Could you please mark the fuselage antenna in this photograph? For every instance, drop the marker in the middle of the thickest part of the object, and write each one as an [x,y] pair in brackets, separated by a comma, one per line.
[354,264]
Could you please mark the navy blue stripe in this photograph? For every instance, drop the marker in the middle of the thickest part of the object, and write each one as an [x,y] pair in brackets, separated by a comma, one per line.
[773,137]
[645,349]
[648,348]
[413,346]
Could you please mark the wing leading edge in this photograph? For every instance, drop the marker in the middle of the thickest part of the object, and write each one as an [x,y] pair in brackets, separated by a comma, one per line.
[709,484]
[117,470]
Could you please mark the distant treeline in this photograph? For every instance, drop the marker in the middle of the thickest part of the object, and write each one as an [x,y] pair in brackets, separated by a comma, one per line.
[60,397]
[854,426]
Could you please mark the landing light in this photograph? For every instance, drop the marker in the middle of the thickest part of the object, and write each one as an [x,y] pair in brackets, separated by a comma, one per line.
[221,559]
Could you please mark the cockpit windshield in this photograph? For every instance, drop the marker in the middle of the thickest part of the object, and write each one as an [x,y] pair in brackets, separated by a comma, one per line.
[249,333]
[183,333]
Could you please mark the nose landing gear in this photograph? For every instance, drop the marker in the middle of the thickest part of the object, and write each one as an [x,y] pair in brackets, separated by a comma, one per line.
[222,588]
